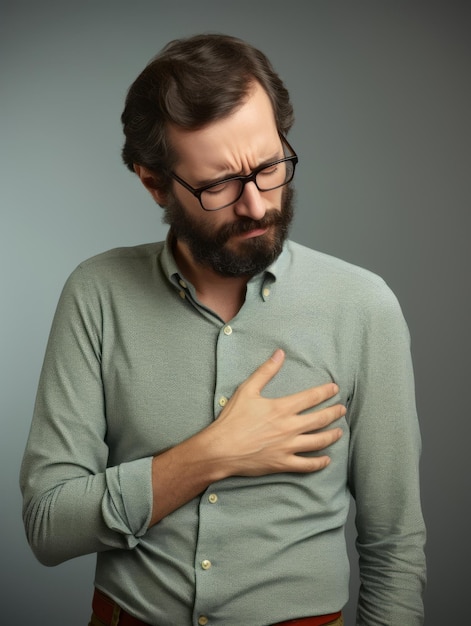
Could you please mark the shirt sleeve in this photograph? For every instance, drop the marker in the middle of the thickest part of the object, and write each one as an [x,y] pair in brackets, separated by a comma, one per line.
[73,502]
[384,471]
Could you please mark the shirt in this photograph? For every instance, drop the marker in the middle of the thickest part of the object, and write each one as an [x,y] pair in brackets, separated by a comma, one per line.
[135,364]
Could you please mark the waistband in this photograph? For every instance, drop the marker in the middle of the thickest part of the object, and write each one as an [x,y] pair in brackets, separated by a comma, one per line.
[112,614]
[317,620]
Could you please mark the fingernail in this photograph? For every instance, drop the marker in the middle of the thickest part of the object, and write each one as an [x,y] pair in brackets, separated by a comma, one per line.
[278,355]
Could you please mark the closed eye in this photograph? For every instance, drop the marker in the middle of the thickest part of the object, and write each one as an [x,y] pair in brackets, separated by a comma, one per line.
[268,171]
[219,188]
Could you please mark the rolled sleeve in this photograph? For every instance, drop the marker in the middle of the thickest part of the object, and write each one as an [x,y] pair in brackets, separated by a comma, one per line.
[126,505]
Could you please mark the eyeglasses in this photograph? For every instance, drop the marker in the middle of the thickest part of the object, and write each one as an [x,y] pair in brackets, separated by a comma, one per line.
[223,193]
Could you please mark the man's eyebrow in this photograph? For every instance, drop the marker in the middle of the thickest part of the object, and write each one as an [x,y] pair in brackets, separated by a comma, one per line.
[210,181]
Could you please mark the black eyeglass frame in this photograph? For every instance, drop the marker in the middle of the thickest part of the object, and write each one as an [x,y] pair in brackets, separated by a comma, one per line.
[250,178]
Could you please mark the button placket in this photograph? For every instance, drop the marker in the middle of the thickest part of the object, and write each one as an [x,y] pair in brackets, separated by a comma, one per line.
[222,399]
[206,556]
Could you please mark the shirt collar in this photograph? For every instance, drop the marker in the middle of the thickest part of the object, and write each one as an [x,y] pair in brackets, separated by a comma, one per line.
[170,267]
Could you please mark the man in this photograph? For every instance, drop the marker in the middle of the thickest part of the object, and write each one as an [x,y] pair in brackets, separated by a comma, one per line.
[208,404]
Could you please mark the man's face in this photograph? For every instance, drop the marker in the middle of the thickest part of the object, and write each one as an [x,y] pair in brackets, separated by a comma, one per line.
[245,237]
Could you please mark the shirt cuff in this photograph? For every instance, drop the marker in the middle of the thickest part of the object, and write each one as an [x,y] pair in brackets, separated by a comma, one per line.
[127,503]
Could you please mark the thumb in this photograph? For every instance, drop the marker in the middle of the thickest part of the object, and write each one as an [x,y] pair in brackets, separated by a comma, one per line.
[266,371]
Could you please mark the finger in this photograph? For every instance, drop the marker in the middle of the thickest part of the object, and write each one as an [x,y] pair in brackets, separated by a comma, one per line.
[308,422]
[266,371]
[317,441]
[306,465]
[309,398]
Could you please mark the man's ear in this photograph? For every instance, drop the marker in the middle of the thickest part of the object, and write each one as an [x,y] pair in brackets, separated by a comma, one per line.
[151,182]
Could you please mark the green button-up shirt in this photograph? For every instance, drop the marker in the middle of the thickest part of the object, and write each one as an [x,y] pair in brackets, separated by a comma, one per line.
[135,364]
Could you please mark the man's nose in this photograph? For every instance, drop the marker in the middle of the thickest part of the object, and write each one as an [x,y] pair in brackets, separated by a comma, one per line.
[251,203]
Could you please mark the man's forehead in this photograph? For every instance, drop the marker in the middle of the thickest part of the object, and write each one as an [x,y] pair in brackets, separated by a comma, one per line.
[245,139]
[230,161]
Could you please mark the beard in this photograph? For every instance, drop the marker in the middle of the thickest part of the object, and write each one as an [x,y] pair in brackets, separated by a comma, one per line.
[210,247]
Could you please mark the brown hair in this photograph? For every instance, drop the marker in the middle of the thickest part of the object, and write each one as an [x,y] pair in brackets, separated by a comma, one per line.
[191,83]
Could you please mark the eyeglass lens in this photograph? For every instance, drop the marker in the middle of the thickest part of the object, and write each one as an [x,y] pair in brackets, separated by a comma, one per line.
[230,191]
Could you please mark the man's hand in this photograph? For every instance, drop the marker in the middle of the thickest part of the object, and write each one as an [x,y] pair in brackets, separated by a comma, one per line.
[252,436]
[256,435]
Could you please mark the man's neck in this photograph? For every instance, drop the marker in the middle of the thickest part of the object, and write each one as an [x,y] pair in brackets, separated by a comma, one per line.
[224,295]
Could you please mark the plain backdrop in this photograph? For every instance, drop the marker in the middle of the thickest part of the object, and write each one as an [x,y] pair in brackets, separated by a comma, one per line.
[382,96]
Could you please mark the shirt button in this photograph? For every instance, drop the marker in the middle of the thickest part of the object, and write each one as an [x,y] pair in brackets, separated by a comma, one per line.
[182,283]
[203,620]
[266,292]
[213,498]
[227,330]
[206,564]
[222,401]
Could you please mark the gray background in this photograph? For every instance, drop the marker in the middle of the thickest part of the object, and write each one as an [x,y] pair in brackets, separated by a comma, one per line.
[382,96]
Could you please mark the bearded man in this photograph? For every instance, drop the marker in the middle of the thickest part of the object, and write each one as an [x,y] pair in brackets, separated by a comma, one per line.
[209,404]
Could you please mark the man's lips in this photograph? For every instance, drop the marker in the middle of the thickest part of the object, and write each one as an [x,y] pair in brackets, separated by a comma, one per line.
[249,229]
[256,232]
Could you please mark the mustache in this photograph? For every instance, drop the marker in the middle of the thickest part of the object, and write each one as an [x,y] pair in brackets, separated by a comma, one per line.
[272,217]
